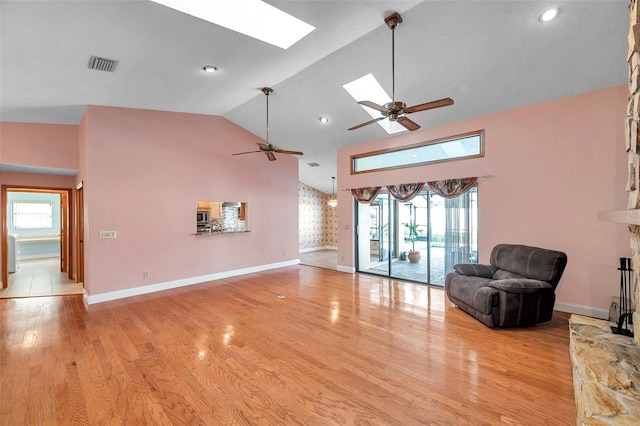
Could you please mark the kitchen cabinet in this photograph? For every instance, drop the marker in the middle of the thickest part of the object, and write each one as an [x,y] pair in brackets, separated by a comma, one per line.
[223,216]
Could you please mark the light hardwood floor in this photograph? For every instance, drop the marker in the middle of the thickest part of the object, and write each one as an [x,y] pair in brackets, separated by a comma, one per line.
[293,346]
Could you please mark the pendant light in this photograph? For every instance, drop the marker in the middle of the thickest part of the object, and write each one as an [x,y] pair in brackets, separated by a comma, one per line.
[333,201]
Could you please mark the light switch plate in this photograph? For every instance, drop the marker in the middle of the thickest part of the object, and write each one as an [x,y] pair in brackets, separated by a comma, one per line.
[107,234]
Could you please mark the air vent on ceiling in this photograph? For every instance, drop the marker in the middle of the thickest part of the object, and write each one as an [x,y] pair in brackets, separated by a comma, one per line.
[102,64]
[314,164]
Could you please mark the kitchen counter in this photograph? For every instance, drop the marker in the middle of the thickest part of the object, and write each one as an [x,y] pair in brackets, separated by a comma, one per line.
[220,232]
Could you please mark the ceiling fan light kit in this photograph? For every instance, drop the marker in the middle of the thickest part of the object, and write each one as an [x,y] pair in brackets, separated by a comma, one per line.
[268,148]
[397,110]
[549,14]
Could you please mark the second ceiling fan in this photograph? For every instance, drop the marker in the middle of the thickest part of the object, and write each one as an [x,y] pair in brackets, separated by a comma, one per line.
[396,110]
[269,149]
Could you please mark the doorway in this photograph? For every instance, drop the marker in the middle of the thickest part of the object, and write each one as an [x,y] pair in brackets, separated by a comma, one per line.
[445,234]
[36,225]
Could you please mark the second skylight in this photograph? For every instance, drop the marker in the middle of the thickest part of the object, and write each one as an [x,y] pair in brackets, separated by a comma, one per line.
[253,18]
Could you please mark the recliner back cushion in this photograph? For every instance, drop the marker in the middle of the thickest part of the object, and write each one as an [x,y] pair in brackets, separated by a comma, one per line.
[502,274]
[530,262]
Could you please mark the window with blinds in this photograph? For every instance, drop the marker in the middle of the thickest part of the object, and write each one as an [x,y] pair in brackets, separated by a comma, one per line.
[32,215]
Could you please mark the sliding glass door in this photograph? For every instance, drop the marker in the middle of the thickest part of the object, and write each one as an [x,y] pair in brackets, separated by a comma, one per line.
[375,247]
[419,240]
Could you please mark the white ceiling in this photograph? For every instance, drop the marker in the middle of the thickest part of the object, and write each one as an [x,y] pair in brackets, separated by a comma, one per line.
[488,56]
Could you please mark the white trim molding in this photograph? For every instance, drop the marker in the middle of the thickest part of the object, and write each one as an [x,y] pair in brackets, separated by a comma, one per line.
[588,311]
[347,269]
[310,249]
[38,256]
[90,299]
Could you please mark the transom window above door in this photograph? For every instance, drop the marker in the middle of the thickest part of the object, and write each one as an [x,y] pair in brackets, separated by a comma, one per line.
[468,145]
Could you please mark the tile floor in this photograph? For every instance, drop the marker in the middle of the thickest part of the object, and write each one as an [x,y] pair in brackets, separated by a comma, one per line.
[40,277]
[400,269]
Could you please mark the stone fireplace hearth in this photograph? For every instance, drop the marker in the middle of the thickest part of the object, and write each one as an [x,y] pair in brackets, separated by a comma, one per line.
[606,366]
[606,379]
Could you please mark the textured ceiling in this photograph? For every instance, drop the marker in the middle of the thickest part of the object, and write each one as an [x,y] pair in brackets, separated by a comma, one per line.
[488,56]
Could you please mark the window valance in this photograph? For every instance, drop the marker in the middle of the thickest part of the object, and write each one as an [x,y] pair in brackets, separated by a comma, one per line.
[405,191]
[451,188]
[448,188]
[366,195]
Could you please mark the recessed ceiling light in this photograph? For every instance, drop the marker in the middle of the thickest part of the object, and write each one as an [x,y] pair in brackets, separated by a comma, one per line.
[367,88]
[253,18]
[209,68]
[323,120]
[549,14]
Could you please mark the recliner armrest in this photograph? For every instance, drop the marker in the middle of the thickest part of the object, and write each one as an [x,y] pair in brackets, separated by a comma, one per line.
[520,285]
[475,270]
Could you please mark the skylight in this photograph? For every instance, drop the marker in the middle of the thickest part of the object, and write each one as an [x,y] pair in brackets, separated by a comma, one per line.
[367,88]
[253,18]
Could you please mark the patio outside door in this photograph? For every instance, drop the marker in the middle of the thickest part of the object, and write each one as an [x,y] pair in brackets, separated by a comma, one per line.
[447,235]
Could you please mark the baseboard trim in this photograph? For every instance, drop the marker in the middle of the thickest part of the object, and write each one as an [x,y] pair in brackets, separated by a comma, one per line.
[38,256]
[91,299]
[310,249]
[347,269]
[588,311]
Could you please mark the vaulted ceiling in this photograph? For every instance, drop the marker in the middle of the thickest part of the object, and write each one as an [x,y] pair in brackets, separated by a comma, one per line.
[488,56]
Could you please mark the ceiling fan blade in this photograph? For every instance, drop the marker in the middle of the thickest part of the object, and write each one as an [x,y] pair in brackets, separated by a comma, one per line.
[367,123]
[248,152]
[408,124]
[284,151]
[270,155]
[374,106]
[429,105]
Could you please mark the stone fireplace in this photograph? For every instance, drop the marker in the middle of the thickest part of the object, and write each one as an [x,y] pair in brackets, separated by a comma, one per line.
[631,216]
[606,366]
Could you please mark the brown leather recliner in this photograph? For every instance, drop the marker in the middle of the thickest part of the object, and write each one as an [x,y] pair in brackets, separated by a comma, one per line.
[516,289]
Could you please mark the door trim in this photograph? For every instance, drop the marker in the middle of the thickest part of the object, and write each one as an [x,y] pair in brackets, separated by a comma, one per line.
[78,220]
[66,231]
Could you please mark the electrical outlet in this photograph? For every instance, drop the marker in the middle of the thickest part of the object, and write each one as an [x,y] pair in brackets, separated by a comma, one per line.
[145,274]
[107,234]
[285,253]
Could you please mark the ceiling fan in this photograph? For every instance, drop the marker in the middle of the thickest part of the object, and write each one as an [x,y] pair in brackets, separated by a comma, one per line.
[396,110]
[267,147]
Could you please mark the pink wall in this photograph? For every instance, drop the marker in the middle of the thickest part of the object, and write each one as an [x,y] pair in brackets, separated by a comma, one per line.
[37,180]
[42,145]
[555,164]
[39,145]
[144,172]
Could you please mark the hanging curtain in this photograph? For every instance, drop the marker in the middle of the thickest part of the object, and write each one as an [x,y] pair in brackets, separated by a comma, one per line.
[457,242]
[366,195]
[405,191]
[450,188]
